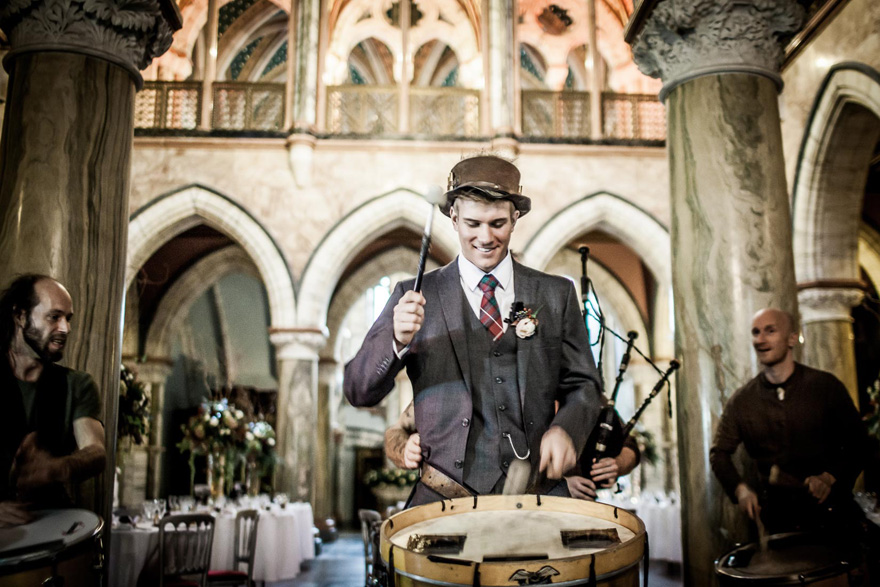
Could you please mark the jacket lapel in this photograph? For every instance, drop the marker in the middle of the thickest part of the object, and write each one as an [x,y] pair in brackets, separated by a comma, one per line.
[450,289]
[526,290]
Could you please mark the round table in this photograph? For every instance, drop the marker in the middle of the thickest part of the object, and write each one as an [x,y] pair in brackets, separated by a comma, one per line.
[284,541]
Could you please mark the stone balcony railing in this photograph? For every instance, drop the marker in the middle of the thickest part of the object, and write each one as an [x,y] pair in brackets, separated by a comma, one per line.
[374,111]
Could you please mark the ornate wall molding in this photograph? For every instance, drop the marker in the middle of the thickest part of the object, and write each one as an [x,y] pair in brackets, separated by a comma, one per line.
[824,304]
[129,33]
[684,40]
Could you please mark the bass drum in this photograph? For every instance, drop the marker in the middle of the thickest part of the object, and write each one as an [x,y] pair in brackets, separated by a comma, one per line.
[59,547]
[501,540]
[790,559]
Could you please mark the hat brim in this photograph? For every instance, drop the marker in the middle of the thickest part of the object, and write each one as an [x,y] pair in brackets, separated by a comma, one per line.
[522,203]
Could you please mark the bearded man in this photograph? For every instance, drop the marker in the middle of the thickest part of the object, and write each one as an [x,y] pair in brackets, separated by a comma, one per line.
[50,433]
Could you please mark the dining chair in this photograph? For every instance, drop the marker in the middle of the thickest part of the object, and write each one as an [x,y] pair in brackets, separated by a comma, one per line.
[246,522]
[370,522]
[185,542]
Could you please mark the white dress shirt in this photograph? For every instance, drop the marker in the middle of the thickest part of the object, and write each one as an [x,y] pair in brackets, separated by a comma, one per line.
[470,276]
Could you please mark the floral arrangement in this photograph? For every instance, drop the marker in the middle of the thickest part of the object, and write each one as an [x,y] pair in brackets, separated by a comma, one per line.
[872,420]
[398,477]
[222,432]
[133,420]
[259,446]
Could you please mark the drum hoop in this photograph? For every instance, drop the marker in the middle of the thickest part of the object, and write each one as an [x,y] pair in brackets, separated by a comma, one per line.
[39,558]
[820,574]
[638,542]
[572,583]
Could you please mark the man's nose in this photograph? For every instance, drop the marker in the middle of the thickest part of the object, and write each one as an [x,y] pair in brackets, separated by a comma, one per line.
[64,326]
[485,234]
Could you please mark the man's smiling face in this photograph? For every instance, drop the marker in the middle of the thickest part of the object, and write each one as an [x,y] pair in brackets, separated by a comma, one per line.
[484,229]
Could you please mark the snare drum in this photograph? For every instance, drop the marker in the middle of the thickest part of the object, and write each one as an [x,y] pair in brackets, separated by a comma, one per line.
[500,540]
[60,544]
[790,559]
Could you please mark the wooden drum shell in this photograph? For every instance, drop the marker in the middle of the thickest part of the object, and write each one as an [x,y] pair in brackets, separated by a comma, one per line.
[616,566]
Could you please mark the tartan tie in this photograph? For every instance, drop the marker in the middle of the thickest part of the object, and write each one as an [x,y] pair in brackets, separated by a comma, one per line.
[490,313]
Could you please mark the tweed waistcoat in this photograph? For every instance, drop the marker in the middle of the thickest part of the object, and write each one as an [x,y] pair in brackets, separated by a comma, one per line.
[496,406]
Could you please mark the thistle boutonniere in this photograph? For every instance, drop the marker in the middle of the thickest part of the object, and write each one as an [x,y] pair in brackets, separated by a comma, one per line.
[523,320]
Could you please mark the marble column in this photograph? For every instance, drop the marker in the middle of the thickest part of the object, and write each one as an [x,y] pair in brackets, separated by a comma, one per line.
[303,51]
[731,223]
[65,159]
[154,372]
[503,64]
[828,334]
[324,453]
[296,351]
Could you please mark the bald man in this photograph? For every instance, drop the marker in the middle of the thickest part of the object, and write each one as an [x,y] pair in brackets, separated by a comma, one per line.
[802,430]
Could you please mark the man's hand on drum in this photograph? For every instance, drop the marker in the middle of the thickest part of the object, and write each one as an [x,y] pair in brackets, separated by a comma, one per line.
[820,485]
[13,513]
[581,487]
[412,452]
[409,313]
[35,467]
[747,500]
[558,454]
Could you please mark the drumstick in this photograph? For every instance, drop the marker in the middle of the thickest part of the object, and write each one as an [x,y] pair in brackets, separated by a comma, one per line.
[762,536]
[435,196]
[518,474]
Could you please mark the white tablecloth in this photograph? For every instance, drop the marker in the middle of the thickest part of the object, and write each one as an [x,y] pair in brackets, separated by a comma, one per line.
[662,520]
[284,541]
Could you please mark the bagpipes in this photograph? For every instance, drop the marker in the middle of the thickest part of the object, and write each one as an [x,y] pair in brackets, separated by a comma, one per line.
[609,434]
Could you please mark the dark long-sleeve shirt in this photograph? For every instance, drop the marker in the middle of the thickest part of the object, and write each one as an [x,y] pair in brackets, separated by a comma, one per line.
[808,428]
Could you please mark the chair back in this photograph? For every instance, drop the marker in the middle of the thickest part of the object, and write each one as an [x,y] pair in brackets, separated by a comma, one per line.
[370,522]
[246,522]
[185,542]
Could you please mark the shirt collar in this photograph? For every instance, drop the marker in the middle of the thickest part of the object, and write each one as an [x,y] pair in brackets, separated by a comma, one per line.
[471,274]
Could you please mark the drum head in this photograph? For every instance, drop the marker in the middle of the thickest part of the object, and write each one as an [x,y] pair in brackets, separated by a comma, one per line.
[790,559]
[513,539]
[50,532]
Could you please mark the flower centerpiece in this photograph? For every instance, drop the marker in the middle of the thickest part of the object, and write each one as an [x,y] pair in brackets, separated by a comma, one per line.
[872,419]
[259,453]
[133,420]
[391,485]
[217,431]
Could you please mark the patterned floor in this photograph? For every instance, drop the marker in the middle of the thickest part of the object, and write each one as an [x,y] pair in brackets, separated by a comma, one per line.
[341,565]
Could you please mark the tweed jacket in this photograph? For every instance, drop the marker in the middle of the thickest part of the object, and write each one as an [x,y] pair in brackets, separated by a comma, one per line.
[553,365]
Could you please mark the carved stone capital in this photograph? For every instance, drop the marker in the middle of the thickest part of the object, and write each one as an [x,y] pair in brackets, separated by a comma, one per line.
[825,304]
[301,344]
[129,33]
[683,40]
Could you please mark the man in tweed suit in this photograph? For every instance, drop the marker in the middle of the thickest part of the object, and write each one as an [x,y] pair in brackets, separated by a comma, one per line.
[486,390]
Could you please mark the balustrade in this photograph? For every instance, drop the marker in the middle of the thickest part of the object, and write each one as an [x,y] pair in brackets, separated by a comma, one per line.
[372,111]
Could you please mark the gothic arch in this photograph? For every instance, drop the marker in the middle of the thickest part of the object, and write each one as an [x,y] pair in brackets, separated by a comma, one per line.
[829,186]
[173,213]
[361,226]
[643,233]
[187,289]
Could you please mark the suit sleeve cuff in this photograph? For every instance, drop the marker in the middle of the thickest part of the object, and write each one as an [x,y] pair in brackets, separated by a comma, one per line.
[402,352]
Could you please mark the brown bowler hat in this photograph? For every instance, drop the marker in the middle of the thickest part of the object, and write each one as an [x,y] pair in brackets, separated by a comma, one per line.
[491,176]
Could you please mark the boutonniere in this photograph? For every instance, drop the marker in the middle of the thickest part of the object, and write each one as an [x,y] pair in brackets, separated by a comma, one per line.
[524,321]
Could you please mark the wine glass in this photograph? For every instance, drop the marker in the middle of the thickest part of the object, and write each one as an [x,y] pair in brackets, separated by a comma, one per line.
[161,507]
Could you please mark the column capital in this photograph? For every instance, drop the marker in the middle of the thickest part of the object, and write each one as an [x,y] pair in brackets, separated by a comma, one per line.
[823,304]
[298,343]
[154,370]
[129,34]
[680,41]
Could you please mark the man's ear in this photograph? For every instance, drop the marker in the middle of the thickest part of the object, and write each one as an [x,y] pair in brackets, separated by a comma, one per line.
[514,217]
[20,317]
[793,339]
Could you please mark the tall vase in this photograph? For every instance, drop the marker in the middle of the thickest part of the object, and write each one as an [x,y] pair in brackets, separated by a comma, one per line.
[252,482]
[216,473]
